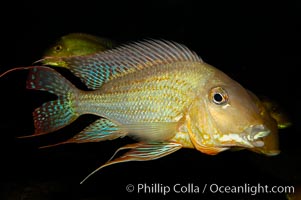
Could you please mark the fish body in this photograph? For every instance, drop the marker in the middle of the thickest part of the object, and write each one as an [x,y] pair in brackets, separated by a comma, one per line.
[158,92]
[76,44]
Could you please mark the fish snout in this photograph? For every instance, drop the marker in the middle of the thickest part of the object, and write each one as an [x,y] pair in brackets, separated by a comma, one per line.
[255,135]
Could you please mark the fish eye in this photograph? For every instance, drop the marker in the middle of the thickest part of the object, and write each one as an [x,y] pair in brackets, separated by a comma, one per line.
[218,95]
[58,48]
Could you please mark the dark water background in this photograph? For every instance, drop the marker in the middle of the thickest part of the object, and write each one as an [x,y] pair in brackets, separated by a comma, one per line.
[255,42]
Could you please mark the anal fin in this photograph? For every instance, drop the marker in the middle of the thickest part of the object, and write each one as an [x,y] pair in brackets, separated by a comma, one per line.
[100,130]
[141,152]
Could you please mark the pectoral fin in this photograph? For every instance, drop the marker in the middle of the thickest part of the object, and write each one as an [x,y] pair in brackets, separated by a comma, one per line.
[151,131]
[141,152]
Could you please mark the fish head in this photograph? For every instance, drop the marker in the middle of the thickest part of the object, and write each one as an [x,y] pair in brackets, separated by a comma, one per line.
[77,44]
[59,49]
[69,45]
[74,44]
[226,115]
[63,47]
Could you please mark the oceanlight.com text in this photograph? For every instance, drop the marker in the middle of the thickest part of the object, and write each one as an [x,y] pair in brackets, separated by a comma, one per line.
[212,188]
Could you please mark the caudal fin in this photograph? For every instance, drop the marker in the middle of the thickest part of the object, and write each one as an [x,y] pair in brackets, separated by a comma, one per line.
[56,114]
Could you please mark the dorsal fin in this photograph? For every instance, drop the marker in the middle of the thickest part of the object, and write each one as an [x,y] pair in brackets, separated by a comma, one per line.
[98,68]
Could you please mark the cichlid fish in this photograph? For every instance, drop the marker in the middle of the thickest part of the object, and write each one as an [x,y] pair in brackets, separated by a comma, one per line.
[76,44]
[158,92]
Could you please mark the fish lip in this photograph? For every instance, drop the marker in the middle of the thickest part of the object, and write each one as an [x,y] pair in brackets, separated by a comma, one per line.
[253,135]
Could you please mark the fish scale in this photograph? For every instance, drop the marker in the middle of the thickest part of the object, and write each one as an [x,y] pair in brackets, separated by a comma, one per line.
[144,97]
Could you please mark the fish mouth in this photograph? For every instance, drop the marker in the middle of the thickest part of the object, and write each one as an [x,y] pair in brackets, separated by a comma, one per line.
[253,136]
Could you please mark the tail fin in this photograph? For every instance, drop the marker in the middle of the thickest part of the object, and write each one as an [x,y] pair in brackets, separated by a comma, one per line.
[57,114]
